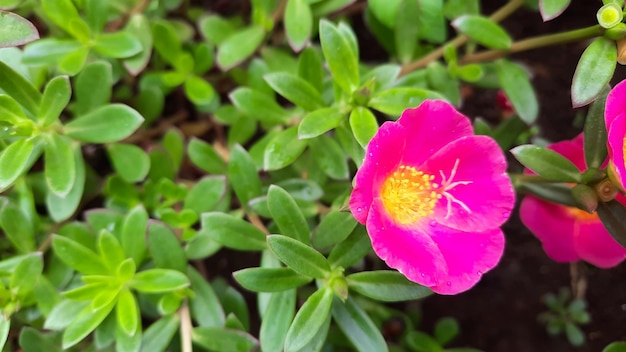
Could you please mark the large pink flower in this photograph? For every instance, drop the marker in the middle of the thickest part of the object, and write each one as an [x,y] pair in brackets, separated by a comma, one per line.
[615,119]
[569,234]
[433,196]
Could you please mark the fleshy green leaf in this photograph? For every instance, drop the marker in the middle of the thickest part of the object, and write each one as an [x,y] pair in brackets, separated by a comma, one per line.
[86,321]
[406,30]
[298,256]
[363,124]
[205,194]
[127,312]
[594,71]
[330,157]
[335,227]
[17,228]
[61,208]
[320,121]
[341,56]
[287,214]
[204,156]
[20,89]
[385,285]
[547,163]
[117,45]
[199,91]
[595,136]
[515,83]
[233,232]
[309,320]
[26,274]
[139,26]
[129,161]
[243,175]
[159,281]
[77,256]
[110,250]
[483,30]
[93,87]
[298,23]
[276,320]
[357,326]
[613,216]
[270,279]
[283,149]
[106,124]
[15,30]
[215,28]
[64,14]
[239,46]
[394,101]
[615,347]
[551,9]
[258,105]
[205,305]
[157,337]
[56,96]
[60,167]
[223,339]
[133,236]
[351,250]
[295,89]
[165,249]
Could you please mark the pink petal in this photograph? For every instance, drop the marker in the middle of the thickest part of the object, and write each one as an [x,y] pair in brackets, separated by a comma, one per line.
[488,197]
[617,131]
[573,150]
[551,224]
[381,158]
[595,245]
[410,250]
[431,126]
[615,103]
[468,256]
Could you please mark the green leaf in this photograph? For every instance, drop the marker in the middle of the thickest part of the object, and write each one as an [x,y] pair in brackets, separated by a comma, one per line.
[97,12]
[394,101]
[243,175]
[204,156]
[276,320]
[259,106]
[515,83]
[10,111]
[33,340]
[547,163]
[205,305]
[215,28]
[64,14]
[117,45]
[319,122]
[341,56]
[595,136]
[166,42]
[129,161]
[174,143]
[553,192]
[298,256]
[16,30]
[20,89]
[223,339]
[270,279]
[49,51]
[287,214]
[110,250]
[63,314]
[363,124]
[310,68]
[60,167]
[74,62]
[239,46]
[5,327]
[127,312]
[199,91]
[351,250]
[330,157]
[233,232]
[430,16]
[594,71]
[165,249]
[93,87]
[139,26]
[106,124]
[483,30]
[335,227]
[357,326]
[56,96]
[298,20]
[283,149]
[575,336]
[551,9]
[17,228]
[385,10]
[159,281]
[77,256]
[295,89]
[61,208]
[133,235]
[309,319]
[205,194]
[613,216]
[86,321]
[446,330]
[125,342]
[406,30]
[201,246]
[26,274]
[157,337]
[615,347]
[385,285]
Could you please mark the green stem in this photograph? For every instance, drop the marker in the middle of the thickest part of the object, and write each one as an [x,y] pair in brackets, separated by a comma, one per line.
[497,16]
[534,43]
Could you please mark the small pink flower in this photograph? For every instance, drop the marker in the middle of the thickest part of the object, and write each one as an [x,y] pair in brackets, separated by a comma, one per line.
[569,234]
[615,119]
[433,196]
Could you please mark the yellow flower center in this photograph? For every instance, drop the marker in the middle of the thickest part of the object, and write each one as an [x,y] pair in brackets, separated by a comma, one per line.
[409,195]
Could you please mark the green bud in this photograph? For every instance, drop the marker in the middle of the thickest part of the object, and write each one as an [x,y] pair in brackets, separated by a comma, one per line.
[610,15]
[586,198]
[617,32]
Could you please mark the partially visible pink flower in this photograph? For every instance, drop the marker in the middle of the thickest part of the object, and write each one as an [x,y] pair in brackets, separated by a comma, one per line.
[615,119]
[433,196]
[569,234]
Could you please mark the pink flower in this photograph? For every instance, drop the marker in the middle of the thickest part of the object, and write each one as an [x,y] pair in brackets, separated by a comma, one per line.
[569,234]
[433,196]
[615,119]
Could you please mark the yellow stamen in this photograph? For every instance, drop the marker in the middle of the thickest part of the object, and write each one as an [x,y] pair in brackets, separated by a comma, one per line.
[409,195]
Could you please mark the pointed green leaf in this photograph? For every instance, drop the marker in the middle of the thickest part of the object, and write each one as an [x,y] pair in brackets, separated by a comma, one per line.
[613,216]
[594,71]
[130,161]
[394,101]
[275,324]
[330,157]
[363,124]
[118,45]
[287,214]
[165,248]
[386,285]
[357,326]
[547,163]
[17,228]
[199,91]
[298,256]
[60,166]
[110,250]
[133,236]
[340,55]
[15,30]
[595,136]
[109,123]
[56,96]
[26,274]
[320,121]
[77,256]
[551,9]
[243,175]
[335,227]
[127,312]
[259,106]
[159,281]
[204,305]
[309,319]
[19,88]
[157,337]
[233,232]
[270,279]
[61,208]
[93,87]
[298,23]
[239,46]
[14,160]
[283,149]
[86,321]
[351,250]
[223,339]
[515,83]
[295,89]
[483,30]
[406,30]
[139,26]
[5,327]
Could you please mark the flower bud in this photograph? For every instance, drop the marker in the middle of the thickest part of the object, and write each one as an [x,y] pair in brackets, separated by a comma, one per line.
[606,190]
[610,15]
[586,198]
